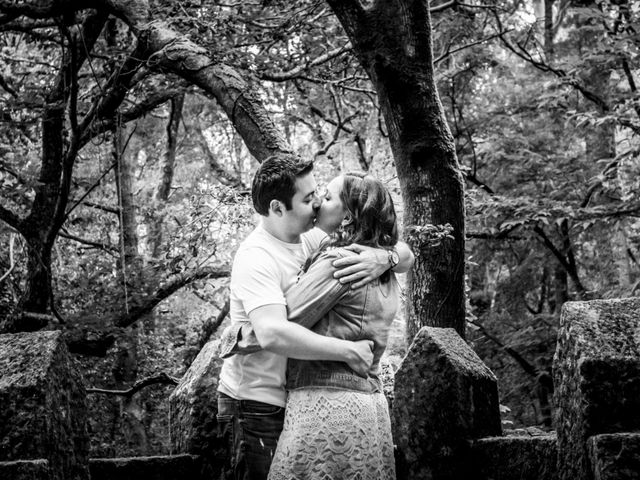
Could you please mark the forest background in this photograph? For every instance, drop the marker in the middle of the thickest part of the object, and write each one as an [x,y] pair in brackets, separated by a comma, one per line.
[130,132]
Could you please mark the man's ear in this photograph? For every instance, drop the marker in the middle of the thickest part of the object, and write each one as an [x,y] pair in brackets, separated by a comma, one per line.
[276,207]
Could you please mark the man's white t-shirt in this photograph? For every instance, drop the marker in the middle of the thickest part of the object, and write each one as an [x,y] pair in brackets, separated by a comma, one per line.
[264,268]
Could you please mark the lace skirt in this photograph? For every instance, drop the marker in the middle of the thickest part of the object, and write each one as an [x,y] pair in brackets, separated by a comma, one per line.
[333,435]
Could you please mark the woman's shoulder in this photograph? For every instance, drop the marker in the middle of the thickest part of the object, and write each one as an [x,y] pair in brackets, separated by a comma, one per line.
[334,253]
[324,259]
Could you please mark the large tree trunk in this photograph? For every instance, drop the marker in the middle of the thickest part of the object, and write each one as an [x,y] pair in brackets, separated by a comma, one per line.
[392,40]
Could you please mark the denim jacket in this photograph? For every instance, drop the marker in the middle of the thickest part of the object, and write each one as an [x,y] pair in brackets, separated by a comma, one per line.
[320,302]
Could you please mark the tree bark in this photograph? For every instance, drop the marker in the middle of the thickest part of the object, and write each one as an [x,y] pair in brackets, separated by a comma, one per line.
[392,40]
[47,213]
[548,29]
[166,179]
[125,370]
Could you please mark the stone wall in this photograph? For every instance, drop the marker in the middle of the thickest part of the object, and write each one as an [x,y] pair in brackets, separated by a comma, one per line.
[615,456]
[597,378]
[516,457]
[25,470]
[193,406]
[444,396]
[43,410]
[147,468]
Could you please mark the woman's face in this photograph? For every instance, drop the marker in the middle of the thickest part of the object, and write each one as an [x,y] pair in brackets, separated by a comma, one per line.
[332,211]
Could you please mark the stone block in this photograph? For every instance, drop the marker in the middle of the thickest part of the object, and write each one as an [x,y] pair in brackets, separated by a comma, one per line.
[25,470]
[444,396]
[596,377]
[193,408]
[515,458]
[615,456]
[146,468]
[43,410]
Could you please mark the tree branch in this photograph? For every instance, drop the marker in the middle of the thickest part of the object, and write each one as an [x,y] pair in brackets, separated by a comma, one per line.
[11,219]
[106,123]
[468,45]
[160,379]
[171,286]
[297,71]
[526,56]
[12,263]
[526,366]
[106,208]
[562,259]
[101,246]
[211,327]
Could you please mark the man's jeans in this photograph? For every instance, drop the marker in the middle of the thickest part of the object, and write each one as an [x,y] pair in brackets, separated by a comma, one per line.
[250,430]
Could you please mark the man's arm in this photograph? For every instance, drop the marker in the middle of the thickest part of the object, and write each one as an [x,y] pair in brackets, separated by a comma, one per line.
[368,263]
[277,335]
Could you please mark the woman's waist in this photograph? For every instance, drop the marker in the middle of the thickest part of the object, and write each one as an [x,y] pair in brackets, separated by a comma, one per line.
[312,373]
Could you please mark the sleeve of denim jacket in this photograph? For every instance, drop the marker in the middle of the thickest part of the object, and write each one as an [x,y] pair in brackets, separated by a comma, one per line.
[316,291]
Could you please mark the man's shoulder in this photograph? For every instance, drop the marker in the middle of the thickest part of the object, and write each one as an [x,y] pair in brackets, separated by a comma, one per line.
[257,239]
[313,238]
[255,253]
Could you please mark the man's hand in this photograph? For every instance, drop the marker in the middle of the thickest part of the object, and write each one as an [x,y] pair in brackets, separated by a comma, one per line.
[362,357]
[366,264]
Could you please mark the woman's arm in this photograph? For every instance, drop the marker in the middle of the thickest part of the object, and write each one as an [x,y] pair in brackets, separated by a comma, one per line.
[316,291]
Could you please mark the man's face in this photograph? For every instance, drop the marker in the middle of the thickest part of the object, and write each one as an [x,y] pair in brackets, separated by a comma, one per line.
[304,205]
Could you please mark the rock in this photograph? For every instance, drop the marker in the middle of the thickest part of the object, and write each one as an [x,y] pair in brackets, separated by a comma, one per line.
[193,407]
[615,456]
[43,410]
[515,458]
[25,470]
[444,396]
[146,468]
[597,377]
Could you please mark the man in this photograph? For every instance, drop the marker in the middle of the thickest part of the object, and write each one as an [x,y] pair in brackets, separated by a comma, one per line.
[251,387]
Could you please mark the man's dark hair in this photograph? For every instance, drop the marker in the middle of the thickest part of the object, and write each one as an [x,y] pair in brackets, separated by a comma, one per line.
[276,180]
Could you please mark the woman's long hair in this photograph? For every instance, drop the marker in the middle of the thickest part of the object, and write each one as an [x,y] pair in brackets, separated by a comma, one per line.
[371,216]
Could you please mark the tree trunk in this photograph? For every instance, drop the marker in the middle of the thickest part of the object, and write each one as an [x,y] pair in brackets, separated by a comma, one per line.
[168,164]
[47,214]
[125,369]
[392,41]
[548,29]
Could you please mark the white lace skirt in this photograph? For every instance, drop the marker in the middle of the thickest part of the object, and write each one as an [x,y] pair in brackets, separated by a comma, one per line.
[333,435]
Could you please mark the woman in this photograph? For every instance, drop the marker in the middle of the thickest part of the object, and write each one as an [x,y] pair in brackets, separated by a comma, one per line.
[337,423]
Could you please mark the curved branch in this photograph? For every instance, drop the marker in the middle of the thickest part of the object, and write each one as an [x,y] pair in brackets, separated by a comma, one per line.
[297,71]
[105,122]
[170,287]
[91,243]
[169,51]
[160,379]
[526,366]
